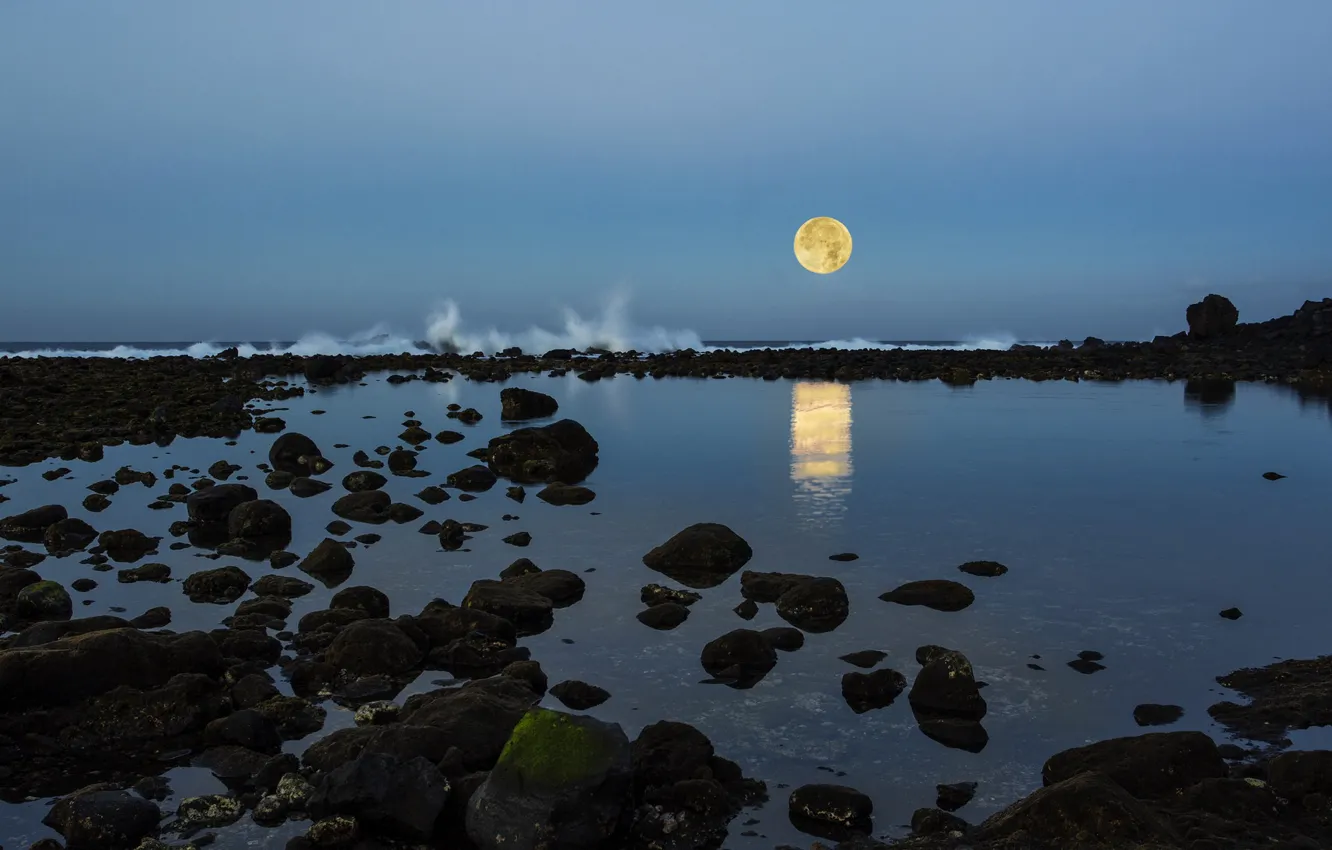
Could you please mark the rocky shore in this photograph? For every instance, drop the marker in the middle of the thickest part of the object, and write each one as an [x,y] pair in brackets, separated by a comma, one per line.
[72,407]
[94,710]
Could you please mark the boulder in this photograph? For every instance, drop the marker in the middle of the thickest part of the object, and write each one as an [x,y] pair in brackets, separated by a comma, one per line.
[291,452]
[939,594]
[561,782]
[330,562]
[43,600]
[258,519]
[1086,810]
[529,611]
[215,504]
[475,479]
[363,480]
[370,506]
[368,647]
[946,687]
[561,451]
[102,817]
[68,535]
[741,657]
[400,797]
[701,556]
[1148,766]
[30,526]
[220,586]
[1212,317]
[517,404]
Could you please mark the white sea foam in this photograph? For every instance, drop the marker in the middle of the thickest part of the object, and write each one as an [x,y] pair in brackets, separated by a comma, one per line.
[446,331]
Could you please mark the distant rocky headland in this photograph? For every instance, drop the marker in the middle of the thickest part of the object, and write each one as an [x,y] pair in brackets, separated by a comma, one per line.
[71,407]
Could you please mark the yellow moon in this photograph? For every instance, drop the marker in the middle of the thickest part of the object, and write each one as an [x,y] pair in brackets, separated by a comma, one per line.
[823,245]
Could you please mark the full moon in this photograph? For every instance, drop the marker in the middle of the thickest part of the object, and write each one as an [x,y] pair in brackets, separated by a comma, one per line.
[823,245]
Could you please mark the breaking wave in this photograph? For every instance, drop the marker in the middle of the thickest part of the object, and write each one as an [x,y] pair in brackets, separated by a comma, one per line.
[445,332]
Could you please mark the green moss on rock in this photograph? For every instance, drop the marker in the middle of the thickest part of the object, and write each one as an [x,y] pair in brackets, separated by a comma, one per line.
[551,749]
[44,600]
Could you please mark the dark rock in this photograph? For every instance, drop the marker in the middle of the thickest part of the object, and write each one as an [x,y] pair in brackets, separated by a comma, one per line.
[398,796]
[1150,714]
[561,587]
[521,538]
[245,728]
[517,403]
[43,600]
[565,494]
[1295,775]
[1292,694]
[1232,613]
[561,451]
[955,796]
[746,610]
[68,535]
[330,562]
[866,658]
[401,460]
[520,567]
[433,495]
[1146,766]
[655,594]
[476,479]
[305,487]
[984,569]
[818,605]
[369,647]
[939,594]
[358,482]
[701,556]
[1086,810]
[101,817]
[160,573]
[127,544]
[372,601]
[291,453]
[579,696]
[664,616]
[257,519]
[936,822]
[843,556]
[449,437]
[868,691]
[30,526]
[946,687]
[741,657]
[215,504]
[836,806]
[784,638]
[1214,316]
[371,506]
[271,585]
[219,586]
[528,610]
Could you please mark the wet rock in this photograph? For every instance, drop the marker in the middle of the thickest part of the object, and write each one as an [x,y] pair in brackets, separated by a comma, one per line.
[1292,694]
[746,610]
[561,587]
[843,556]
[245,728]
[579,696]
[946,687]
[937,822]
[818,605]
[286,586]
[371,506]
[359,482]
[22,559]
[304,488]
[433,495]
[44,600]
[153,618]
[451,534]
[655,594]
[521,538]
[1086,810]
[1214,316]
[234,766]
[955,796]
[68,535]
[741,657]
[330,562]
[868,691]
[86,665]
[52,630]
[83,585]
[939,594]
[338,527]
[561,451]
[278,480]
[520,567]
[476,479]
[215,504]
[102,817]
[565,494]
[1232,613]
[1151,714]
[1146,766]
[378,713]
[372,601]
[529,611]
[401,460]
[219,586]
[701,556]
[251,690]
[291,453]
[96,503]
[517,493]
[1273,476]
[209,811]
[127,545]
[258,519]
[954,733]
[517,403]
[30,526]
[562,781]
[529,672]
[784,638]
[160,573]
[415,435]
[664,616]
[1295,775]
[449,437]
[369,647]
[984,569]
[866,658]
[830,810]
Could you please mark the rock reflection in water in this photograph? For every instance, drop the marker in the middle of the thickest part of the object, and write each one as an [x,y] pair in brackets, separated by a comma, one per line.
[1210,397]
[821,450]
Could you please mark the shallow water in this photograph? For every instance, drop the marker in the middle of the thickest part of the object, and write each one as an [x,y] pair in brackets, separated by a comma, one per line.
[1129,515]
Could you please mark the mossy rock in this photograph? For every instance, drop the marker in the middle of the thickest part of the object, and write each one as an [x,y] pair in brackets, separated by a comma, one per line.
[44,600]
[551,749]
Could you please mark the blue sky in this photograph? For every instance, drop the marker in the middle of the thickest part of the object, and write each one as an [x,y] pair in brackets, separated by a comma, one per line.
[250,169]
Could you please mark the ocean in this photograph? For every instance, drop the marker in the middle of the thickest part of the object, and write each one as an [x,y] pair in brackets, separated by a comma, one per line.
[1128,514]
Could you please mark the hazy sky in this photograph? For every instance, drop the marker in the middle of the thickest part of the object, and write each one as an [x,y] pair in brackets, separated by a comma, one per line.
[180,170]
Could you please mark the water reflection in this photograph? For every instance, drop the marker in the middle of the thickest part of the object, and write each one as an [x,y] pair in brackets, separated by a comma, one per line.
[1210,397]
[821,450]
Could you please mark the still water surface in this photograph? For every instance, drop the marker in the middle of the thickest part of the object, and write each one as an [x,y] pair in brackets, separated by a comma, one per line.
[1129,515]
